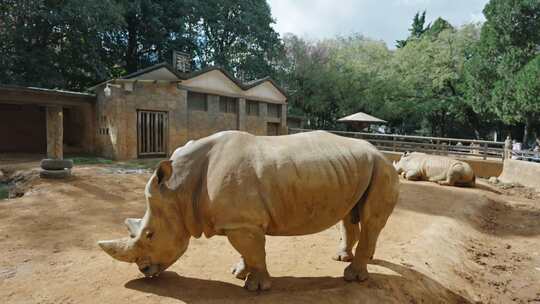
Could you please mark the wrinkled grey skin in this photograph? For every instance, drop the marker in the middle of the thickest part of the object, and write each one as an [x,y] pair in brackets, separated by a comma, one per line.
[245,187]
[434,168]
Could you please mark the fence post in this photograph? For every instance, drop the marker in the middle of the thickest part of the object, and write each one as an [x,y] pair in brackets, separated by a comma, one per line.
[438,148]
[394,143]
[485,150]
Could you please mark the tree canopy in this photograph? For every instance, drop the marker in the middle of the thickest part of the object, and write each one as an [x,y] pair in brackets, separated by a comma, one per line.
[73,44]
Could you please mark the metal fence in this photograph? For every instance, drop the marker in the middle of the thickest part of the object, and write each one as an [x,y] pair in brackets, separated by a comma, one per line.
[432,145]
[527,155]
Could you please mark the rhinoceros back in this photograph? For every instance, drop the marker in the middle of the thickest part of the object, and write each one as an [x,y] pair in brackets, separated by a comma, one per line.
[292,185]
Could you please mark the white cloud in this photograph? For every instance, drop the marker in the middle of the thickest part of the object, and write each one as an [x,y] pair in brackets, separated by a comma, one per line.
[386,20]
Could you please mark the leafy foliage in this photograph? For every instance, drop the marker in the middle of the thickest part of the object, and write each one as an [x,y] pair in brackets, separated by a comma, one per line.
[509,41]
[73,44]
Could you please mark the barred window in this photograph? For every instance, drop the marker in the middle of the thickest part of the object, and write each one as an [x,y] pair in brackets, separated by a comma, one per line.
[197,101]
[228,104]
[252,107]
[274,110]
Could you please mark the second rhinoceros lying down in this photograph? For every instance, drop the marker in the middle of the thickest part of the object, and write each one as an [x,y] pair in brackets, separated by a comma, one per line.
[434,168]
[245,187]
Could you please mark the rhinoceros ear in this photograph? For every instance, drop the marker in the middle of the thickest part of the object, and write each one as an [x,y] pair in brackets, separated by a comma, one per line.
[133,225]
[164,171]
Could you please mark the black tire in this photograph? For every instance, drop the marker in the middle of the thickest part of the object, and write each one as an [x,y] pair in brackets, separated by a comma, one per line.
[56,164]
[64,173]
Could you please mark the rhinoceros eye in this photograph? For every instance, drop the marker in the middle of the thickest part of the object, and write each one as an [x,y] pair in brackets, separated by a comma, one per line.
[149,234]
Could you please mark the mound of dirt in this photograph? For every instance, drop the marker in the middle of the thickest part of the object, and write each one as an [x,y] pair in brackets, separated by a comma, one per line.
[441,245]
[17,183]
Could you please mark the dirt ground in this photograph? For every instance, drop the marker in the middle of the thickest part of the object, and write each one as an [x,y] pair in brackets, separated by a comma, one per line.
[441,245]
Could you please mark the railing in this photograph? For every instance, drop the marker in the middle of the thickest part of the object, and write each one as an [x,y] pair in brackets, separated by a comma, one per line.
[527,155]
[432,145]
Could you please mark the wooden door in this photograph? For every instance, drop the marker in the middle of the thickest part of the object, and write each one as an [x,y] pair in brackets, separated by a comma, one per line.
[152,133]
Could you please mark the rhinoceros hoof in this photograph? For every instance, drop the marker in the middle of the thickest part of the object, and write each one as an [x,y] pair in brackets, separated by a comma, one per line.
[258,280]
[343,256]
[353,274]
[239,270]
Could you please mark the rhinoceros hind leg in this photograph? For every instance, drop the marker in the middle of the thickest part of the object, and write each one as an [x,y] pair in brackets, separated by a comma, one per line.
[348,238]
[380,201]
[365,250]
[240,270]
[413,175]
[250,244]
[451,179]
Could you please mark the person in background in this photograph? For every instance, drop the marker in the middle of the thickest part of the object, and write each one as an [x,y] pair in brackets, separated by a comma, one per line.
[507,147]
[536,150]
[516,148]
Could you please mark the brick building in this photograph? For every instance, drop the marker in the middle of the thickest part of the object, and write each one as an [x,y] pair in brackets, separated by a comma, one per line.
[144,114]
[155,110]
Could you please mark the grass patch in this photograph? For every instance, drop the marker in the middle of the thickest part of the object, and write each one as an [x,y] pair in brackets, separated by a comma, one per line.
[4,191]
[90,160]
[150,163]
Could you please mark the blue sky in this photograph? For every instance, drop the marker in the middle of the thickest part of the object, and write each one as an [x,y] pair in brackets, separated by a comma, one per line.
[386,20]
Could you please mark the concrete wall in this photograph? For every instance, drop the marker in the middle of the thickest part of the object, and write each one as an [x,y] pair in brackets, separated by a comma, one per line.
[521,172]
[116,117]
[482,168]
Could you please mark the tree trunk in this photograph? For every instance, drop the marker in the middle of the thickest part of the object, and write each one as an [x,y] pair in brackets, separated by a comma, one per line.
[526,128]
[131,52]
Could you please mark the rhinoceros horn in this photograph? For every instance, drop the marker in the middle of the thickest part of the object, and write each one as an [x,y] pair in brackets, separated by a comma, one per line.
[121,249]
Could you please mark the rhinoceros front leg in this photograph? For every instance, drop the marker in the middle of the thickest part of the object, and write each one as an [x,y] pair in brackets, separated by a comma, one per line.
[249,242]
[348,237]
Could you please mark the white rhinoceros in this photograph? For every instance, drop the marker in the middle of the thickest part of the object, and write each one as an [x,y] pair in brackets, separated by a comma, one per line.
[245,187]
[434,168]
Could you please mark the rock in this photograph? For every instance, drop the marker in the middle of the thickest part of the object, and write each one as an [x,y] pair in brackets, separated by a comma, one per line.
[494,180]
[3,177]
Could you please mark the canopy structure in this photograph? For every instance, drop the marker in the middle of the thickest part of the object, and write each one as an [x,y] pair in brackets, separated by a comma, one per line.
[359,121]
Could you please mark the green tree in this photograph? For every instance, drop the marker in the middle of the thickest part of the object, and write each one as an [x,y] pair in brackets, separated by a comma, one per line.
[430,70]
[237,35]
[73,44]
[55,43]
[527,90]
[151,31]
[509,40]
[416,30]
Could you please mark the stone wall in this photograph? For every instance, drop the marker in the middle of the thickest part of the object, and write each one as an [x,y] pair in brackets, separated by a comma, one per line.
[204,123]
[257,124]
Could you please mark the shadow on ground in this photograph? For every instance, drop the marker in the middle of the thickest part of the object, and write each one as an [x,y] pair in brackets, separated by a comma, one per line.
[406,286]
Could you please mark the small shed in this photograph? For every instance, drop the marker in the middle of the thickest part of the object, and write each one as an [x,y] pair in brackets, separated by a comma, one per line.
[359,121]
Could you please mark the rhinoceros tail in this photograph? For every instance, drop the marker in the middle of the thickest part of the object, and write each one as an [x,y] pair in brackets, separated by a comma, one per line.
[357,209]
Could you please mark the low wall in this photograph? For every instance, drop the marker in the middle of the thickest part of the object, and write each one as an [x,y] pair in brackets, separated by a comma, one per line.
[521,172]
[481,167]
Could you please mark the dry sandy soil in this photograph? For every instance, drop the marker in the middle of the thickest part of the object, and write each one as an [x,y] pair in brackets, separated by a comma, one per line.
[441,245]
